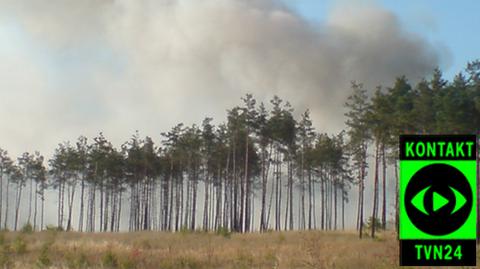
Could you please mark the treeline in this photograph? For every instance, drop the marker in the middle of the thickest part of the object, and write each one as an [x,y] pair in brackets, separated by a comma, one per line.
[257,154]
[434,106]
[261,169]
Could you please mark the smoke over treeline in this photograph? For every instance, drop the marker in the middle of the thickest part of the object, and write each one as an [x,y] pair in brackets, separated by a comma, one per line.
[71,67]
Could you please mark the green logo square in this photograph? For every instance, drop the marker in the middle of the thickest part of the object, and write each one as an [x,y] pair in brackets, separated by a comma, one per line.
[408,230]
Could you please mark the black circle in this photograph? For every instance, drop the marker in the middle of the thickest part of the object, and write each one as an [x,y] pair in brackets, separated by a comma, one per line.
[439,178]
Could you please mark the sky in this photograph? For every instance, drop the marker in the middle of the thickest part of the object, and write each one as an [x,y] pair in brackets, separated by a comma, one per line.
[83,67]
[451,24]
[71,68]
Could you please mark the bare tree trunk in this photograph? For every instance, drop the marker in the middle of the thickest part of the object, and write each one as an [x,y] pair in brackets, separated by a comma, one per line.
[43,210]
[362,191]
[205,204]
[290,176]
[17,205]
[6,204]
[71,191]
[314,205]
[246,225]
[101,206]
[194,202]
[375,192]
[302,191]
[359,198]
[35,209]
[113,211]
[119,213]
[264,192]
[29,219]
[343,210]
[80,218]
[363,173]
[235,191]
[277,191]
[384,189]
[310,196]
[322,192]
[271,196]
[188,211]
[335,206]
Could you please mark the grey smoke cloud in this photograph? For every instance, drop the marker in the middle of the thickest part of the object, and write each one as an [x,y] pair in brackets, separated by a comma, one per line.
[80,67]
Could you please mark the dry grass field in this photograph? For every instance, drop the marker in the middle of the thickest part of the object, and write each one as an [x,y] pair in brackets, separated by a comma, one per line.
[147,250]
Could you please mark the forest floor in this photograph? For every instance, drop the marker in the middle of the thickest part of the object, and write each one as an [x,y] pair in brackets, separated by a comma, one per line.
[312,249]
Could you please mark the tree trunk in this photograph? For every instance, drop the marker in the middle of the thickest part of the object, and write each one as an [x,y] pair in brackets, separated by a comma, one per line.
[80,218]
[290,173]
[17,205]
[384,189]
[6,204]
[247,188]
[71,191]
[375,192]
[29,219]
[35,209]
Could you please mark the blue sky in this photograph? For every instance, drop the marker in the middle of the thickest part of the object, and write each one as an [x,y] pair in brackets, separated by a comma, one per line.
[452,24]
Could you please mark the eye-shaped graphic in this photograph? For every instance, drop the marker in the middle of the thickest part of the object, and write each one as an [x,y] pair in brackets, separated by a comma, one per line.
[417,201]
[438,199]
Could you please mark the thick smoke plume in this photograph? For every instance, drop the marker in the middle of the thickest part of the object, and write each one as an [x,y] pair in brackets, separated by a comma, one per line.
[80,67]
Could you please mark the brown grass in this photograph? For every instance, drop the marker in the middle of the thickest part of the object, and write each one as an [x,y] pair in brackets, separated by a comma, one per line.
[147,250]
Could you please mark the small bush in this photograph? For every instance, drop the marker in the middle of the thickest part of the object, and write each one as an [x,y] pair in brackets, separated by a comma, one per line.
[144,244]
[5,253]
[244,260]
[377,222]
[43,260]
[281,238]
[185,230]
[224,232]
[53,228]
[77,260]
[128,263]
[270,259]
[186,262]
[27,228]
[19,245]
[110,260]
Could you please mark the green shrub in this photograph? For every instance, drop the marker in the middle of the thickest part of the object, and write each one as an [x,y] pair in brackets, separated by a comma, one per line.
[185,230]
[128,263]
[19,245]
[77,260]
[224,232]
[378,224]
[27,228]
[54,228]
[110,260]
[43,260]
[5,253]
[281,238]
[145,244]
[243,260]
